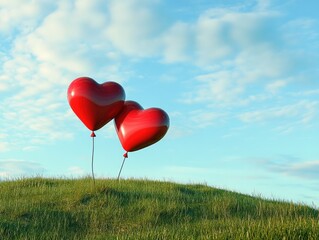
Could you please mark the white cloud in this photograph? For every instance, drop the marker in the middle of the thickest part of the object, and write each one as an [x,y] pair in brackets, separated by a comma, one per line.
[178,128]
[135,27]
[306,31]
[221,33]
[77,171]
[204,118]
[307,169]
[178,42]
[212,37]
[263,62]
[16,14]
[301,112]
[275,86]
[3,135]
[291,166]
[48,44]
[59,40]
[307,93]
[19,168]
[221,87]
[4,146]
[3,86]
[178,132]
[34,120]
[263,5]
[243,51]
[42,60]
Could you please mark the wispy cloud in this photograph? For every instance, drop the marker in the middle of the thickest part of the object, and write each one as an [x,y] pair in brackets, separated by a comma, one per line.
[291,166]
[301,112]
[244,57]
[203,118]
[77,171]
[263,5]
[306,31]
[19,168]
[219,88]
[178,43]
[246,54]
[274,87]
[34,120]
[135,27]
[45,53]
[4,146]
[307,169]
[16,16]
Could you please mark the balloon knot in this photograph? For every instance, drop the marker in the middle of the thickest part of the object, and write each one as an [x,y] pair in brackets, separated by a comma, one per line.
[93,134]
[125,155]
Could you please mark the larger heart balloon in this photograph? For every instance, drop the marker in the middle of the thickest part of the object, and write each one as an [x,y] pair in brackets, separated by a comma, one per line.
[138,128]
[95,104]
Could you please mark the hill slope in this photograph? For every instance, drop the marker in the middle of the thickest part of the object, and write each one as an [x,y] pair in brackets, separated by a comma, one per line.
[39,208]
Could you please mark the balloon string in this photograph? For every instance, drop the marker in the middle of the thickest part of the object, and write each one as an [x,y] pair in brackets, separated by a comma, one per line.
[125,156]
[93,136]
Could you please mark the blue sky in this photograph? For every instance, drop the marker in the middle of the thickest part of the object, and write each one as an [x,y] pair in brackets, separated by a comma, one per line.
[239,80]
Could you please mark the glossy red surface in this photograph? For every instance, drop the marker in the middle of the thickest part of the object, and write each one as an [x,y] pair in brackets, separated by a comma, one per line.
[95,104]
[138,128]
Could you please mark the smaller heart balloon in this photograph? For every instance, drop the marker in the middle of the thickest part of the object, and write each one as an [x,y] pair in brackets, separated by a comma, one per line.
[95,104]
[138,128]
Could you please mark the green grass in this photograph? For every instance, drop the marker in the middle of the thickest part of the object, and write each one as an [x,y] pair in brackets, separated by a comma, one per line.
[40,208]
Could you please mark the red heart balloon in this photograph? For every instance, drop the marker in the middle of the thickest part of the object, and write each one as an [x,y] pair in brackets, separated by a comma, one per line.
[138,128]
[95,104]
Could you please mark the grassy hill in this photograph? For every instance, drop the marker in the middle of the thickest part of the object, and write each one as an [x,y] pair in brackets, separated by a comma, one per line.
[40,208]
